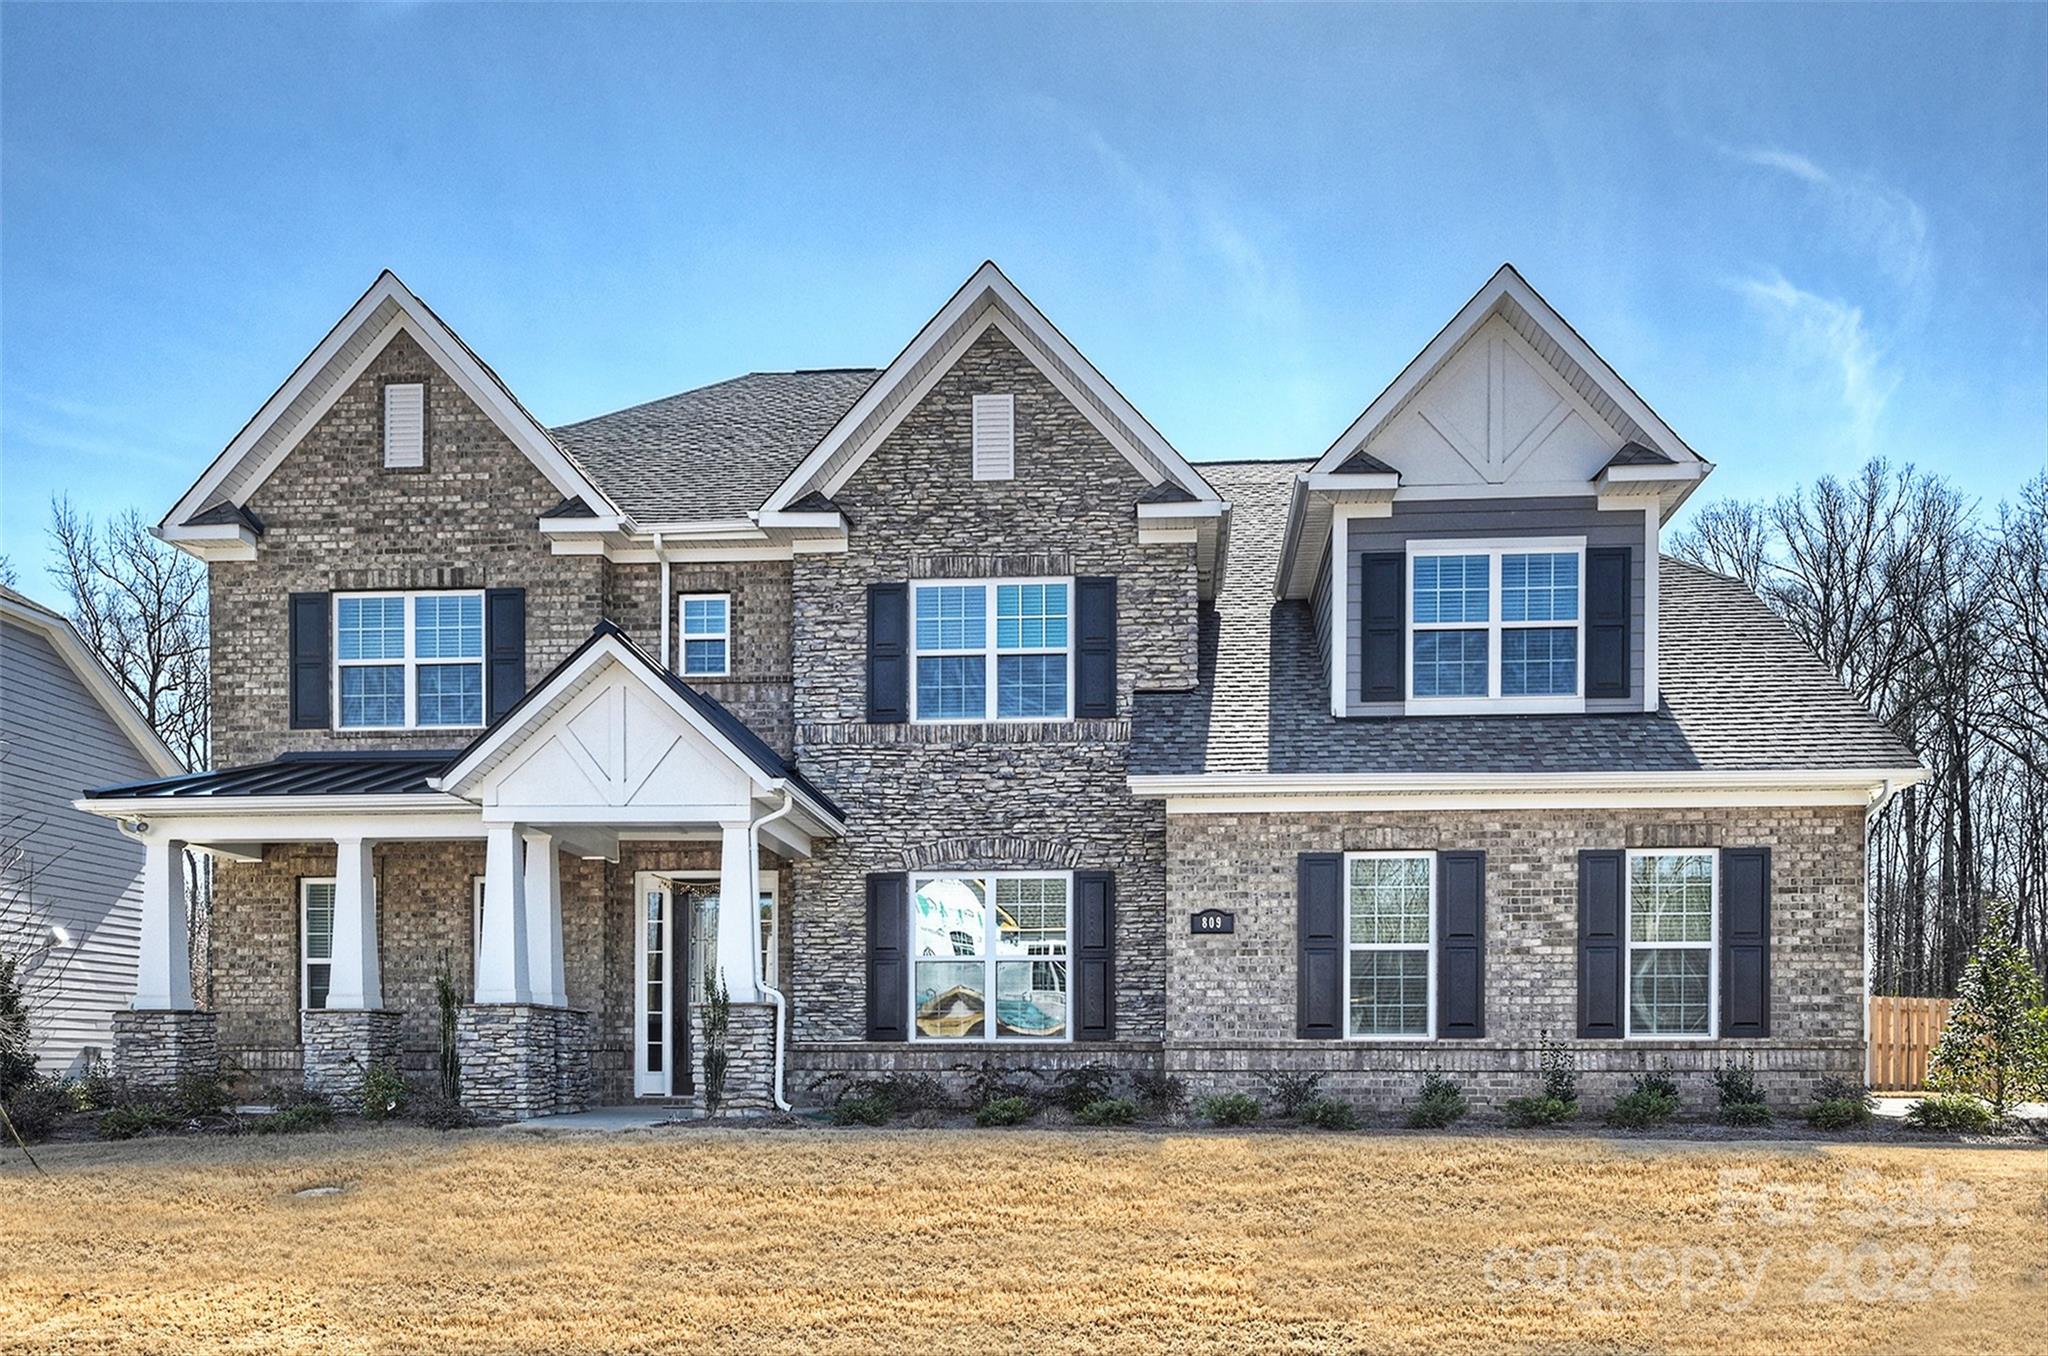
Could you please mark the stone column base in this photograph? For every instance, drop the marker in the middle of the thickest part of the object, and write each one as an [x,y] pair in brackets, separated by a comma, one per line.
[749,1057]
[521,1060]
[155,1048]
[340,1044]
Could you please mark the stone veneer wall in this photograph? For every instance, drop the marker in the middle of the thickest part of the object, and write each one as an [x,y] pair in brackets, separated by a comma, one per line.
[1032,795]
[750,1057]
[155,1048]
[340,1045]
[1231,997]
[521,1059]
[336,519]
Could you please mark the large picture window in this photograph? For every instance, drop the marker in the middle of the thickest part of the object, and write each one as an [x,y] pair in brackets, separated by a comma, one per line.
[1000,934]
[1390,924]
[1671,963]
[316,941]
[994,650]
[1495,622]
[409,660]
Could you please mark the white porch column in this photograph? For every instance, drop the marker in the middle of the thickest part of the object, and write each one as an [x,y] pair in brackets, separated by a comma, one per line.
[544,920]
[357,977]
[502,975]
[163,968]
[739,926]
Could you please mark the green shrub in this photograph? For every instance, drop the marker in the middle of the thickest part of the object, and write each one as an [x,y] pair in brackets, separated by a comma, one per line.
[296,1119]
[1995,1042]
[1658,1081]
[1839,1104]
[861,1108]
[131,1119]
[1744,1113]
[905,1094]
[1560,1072]
[1161,1094]
[1524,1112]
[384,1092]
[1005,1111]
[1290,1092]
[1742,1098]
[36,1109]
[1440,1105]
[98,1089]
[1642,1108]
[1229,1108]
[1108,1111]
[1327,1113]
[199,1095]
[17,1049]
[1081,1087]
[1955,1113]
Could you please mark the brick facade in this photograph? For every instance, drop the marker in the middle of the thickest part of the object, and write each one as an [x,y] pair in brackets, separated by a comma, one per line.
[758,688]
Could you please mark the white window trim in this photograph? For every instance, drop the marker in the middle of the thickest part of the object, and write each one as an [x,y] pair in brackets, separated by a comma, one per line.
[1429,996]
[1712,946]
[684,637]
[989,652]
[988,958]
[306,884]
[1493,703]
[411,663]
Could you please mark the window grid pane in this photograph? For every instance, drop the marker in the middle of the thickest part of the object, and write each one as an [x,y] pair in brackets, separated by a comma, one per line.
[448,626]
[704,616]
[1389,901]
[1389,993]
[952,687]
[1671,898]
[1539,587]
[1031,916]
[1668,991]
[1030,685]
[703,656]
[1450,663]
[952,617]
[1031,616]
[1539,661]
[370,628]
[373,695]
[1452,589]
[451,694]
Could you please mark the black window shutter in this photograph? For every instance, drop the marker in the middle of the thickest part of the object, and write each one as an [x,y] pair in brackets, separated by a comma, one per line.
[1745,942]
[1461,945]
[889,957]
[1608,619]
[1382,587]
[505,648]
[1095,954]
[1319,990]
[312,683]
[888,654]
[1603,949]
[1095,649]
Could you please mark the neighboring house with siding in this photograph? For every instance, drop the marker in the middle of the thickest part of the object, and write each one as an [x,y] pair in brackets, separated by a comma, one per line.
[947,716]
[65,722]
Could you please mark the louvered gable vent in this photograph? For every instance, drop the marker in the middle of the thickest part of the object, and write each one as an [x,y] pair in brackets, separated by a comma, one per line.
[405,424]
[995,437]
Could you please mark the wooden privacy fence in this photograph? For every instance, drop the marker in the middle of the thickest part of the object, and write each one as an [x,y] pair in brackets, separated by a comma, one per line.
[1902,1036]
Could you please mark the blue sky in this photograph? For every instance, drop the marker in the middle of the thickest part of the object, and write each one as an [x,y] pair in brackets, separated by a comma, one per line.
[1805,235]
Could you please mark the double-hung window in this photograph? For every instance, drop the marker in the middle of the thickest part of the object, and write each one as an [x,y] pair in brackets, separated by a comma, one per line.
[707,634]
[993,650]
[982,934]
[1389,960]
[409,660]
[1495,623]
[1671,936]
[316,941]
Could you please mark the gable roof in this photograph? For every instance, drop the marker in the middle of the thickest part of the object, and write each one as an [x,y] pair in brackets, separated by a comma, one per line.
[387,307]
[57,629]
[987,298]
[714,452]
[1741,693]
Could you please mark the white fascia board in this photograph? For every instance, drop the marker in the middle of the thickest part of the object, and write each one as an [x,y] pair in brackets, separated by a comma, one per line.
[85,665]
[1375,482]
[581,527]
[441,344]
[1214,508]
[826,521]
[1283,791]
[278,819]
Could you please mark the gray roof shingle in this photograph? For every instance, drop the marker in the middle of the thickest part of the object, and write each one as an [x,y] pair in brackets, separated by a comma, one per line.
[1741,692]
[715,452]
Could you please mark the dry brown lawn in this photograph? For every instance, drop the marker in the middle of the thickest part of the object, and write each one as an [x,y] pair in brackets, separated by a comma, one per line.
[910,1241]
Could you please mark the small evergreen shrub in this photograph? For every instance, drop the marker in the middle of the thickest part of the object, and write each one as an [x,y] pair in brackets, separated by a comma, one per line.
[1995,1042]
[1440,1105]
[1005,1111]
[448,1003]
[1642,1108]
[1954,1113]
[1543,1109]
[1160,1094]
[1327,1113]
[295,1119]
[384,1092]
[1839,1104]
[1744,1113]
[132,1119]
[1741,1096]
[98,1089]
[993,1084]
[861,1108]
[36,1109]
[1230,1108]
[1289,1092]
[717,1022]
[200,1095]
[1077,1088]
[905,1094]
[1560,1071]
[1108,1111]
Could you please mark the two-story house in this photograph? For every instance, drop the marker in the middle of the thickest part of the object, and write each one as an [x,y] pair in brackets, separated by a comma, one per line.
[945,715]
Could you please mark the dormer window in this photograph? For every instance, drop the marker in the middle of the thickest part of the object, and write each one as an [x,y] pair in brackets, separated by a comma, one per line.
[405,425]
[1495,625]
[995,437]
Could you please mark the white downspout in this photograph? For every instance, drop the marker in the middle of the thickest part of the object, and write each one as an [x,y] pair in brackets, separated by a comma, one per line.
[774,996]
[1878,803]
[666,661]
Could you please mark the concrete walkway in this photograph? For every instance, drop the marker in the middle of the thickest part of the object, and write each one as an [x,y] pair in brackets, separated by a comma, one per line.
[1896,1104]
[604,1119]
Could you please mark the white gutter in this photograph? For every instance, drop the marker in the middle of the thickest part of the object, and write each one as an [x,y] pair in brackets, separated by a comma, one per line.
[214,807]
[774,995]
[1311,783]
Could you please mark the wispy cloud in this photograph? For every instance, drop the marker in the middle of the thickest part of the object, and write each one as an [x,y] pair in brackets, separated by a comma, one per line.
[1870,217]
[1830,337]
